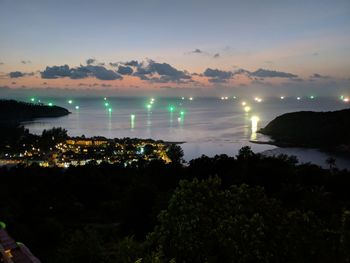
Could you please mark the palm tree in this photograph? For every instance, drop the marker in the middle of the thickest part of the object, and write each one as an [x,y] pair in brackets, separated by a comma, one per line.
[331,162]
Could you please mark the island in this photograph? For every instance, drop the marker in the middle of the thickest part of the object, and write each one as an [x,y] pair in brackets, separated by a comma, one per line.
[324,130]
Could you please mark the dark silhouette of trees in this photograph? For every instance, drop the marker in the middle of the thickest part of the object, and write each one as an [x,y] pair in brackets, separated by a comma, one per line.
[226,209]
[175,153]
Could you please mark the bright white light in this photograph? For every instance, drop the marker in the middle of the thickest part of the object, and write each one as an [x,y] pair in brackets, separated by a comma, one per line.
[298,98]
[346,99]
[282,97]
[222,98]
[190,98]
[254,120]
[183,98]
[226,98]
[247,109]
[244,103]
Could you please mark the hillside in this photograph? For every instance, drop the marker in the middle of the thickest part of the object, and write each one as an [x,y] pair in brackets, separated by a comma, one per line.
[13,112]
[311,129]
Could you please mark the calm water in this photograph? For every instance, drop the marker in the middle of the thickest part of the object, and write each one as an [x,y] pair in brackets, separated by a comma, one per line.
[208,125]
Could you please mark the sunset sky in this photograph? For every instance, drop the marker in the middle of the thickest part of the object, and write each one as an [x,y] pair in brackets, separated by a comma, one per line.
[175,46]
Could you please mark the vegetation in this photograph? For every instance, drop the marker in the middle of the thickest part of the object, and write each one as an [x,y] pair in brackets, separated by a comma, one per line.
[12,111]
[311,129]
[248,208]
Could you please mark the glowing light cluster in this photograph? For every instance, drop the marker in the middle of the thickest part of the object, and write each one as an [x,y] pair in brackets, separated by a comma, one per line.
[257,99]
[247,109]
[224,98]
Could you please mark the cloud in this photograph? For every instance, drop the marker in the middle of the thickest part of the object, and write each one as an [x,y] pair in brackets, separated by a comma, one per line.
[265,73]
[90,61]
[315,54]
[16,74]
[114,64]
[160,72]
[55,72]
[197,50]
[19,74]
[217,55]
[217,76]
[26,62]
[99,72]
[125,70]
[319,76]
[132,63]
[2,63]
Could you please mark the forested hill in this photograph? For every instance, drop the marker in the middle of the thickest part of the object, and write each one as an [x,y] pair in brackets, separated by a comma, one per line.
[12,111]
[311,129]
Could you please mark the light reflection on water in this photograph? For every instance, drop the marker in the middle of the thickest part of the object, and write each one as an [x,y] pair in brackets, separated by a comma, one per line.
[208,125]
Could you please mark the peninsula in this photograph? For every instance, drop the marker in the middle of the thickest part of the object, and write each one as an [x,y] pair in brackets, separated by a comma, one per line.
[325,130]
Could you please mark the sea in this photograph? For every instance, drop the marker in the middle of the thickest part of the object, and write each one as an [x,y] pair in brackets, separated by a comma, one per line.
[205,126]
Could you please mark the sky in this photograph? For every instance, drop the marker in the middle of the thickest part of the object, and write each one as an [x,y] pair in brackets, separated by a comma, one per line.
[183,47]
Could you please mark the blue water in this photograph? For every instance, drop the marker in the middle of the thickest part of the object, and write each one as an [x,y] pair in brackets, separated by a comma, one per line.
[207,126]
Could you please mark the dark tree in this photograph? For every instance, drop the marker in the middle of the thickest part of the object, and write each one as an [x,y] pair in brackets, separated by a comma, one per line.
[175,153]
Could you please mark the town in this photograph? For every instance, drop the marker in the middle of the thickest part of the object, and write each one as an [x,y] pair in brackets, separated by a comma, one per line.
[54,148]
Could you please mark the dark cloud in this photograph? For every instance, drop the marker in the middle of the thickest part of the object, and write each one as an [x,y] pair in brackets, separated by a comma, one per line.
[90,61]
[242,71]
[16,74]
[13,83]
[2,63]
[55,72]
[315,54]
[217,76]
[26,62]
[132,63]
[265,73]
[217,55]
[112,64]
[197,50]
[161,72]
[319,76]
[125,70]
[80,72]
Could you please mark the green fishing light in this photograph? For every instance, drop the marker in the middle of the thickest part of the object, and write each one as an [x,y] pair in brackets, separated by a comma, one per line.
[312,97]
[70,101]
[50,104]
[182,113]
[109,109]
[171,108]
[132,116]
[77,107]
[32,99]
[149,106]
[106,104]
